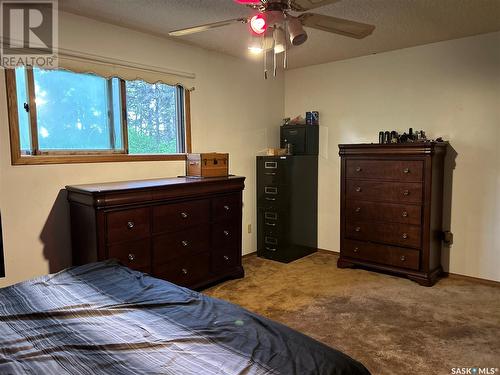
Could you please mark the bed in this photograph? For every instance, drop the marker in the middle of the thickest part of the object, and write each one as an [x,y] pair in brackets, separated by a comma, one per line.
[103,318]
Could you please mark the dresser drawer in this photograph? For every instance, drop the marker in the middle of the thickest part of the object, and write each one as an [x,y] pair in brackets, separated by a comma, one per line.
[185,271]
[391,233]
[134,254]
[224,260]
[181,244]
[127,225]
[395,213]
[378,191]
[386,255]
[226,207]
[178,216]
[225,235]
[394,170]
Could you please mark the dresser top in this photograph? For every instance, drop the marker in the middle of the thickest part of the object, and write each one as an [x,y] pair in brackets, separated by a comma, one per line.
[108,187]
[393,148]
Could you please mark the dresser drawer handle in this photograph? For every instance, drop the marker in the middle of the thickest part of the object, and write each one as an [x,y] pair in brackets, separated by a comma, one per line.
[406,192]
[356,249]
[184,215]
[405,214]
[130,224]
[403,258]
[185,243]
[184,271]
[270,224]
[357,229]
[358,188]
[226,207]
[270,248]
[405,236]
[406,170]
[226,233]
[226,258]
[131,257]
[358,169]
[358,209]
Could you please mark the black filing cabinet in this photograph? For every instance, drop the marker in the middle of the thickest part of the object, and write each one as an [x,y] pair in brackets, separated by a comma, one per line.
[287,206]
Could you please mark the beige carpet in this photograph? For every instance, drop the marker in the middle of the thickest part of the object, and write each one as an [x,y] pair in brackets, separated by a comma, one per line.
[392,325]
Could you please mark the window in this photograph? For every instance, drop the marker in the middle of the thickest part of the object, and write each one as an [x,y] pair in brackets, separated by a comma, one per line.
[59,116]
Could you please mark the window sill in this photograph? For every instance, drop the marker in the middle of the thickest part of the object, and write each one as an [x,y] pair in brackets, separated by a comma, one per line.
[103,158]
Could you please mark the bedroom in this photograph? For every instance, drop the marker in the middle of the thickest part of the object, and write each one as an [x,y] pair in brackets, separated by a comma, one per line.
[426,66]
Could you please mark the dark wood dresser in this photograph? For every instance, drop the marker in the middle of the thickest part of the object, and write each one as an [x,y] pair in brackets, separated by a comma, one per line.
[391,208]
[184,230]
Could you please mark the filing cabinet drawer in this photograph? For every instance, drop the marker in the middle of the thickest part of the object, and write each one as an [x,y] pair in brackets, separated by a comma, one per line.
[394,170]
[185,271]
[397,234]
[272,171]
[226,207]
[380,191]
[178,216]
[134,254]
[382,254]
[127,225]
[180,244]
[272,196]
[388,212]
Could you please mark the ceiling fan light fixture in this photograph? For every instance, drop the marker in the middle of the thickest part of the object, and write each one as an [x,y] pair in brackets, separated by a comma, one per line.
[279,40]
[258,24]
[297,33]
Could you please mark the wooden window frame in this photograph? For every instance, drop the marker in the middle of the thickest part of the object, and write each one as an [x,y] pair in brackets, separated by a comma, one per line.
[91,156]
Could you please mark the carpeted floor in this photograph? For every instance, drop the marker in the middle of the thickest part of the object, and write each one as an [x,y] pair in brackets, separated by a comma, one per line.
[392,325]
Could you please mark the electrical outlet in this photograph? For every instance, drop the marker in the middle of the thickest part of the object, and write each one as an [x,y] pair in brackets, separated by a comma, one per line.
[249,228]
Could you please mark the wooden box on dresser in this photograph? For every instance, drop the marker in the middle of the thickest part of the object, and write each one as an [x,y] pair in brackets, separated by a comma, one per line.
[391,208]
[184,230]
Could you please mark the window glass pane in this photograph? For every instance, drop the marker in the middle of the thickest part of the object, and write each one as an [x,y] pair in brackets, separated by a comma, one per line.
[22,99]
[151,118]
[117,113]
[72,111]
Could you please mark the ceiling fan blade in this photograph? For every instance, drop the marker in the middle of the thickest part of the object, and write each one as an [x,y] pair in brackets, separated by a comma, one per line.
[336,25]
[304,5]
[208,26]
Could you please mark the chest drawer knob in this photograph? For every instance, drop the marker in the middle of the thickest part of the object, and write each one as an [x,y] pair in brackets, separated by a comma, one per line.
[184,215]
[130,224]
[356,249]
[358,189]
[357,229]
[131,257]
[405,214]
[226,207]
[406,170]
[405,236]
[358,169]
[406,192]
[403,258]
[358,209]
[185,243]
[226,233]
[184,271]
[226,258]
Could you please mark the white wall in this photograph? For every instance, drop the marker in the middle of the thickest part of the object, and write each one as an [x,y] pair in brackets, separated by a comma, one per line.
[233,110]
[450,89]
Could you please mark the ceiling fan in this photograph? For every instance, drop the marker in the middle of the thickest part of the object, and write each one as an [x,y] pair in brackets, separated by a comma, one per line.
[280,29]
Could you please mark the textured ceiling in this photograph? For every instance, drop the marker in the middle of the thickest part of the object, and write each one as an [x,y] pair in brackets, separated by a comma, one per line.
[399,23]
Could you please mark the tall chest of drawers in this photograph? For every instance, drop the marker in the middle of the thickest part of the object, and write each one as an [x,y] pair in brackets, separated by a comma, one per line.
[391,208]
[187,231]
